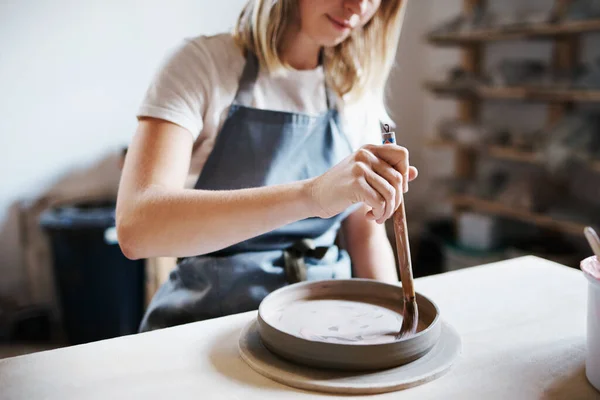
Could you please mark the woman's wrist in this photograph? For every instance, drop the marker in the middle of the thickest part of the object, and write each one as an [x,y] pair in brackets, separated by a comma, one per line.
[306,198]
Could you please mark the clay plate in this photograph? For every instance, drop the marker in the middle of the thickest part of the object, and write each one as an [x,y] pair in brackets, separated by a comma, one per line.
[432,365]
[344,325]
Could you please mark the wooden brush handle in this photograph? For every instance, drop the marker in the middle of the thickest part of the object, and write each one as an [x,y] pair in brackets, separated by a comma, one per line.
[593,240]
[403,249]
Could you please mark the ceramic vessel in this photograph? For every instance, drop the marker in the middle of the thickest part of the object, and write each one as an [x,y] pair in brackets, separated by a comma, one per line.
[432,365]
[591,268]
[345,325]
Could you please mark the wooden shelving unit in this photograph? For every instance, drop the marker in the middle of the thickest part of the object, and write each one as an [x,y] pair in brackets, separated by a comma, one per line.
[537,31]
[566,39]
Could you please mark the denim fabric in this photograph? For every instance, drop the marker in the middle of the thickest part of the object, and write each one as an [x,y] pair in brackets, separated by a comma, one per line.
[257,148]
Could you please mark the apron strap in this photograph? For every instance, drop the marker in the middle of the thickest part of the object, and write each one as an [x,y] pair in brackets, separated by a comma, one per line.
[244,94]
[331,98]
[329,93]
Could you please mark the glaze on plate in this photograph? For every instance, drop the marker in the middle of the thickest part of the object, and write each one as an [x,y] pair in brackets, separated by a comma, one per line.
[339,321]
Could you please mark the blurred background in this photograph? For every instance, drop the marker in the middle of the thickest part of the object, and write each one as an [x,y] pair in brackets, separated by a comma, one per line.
[497,102]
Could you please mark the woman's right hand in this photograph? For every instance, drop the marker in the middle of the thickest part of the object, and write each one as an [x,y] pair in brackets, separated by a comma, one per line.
[373,175]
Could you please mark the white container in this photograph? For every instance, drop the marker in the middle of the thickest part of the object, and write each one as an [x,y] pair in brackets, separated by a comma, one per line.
[592,364]
[479,232]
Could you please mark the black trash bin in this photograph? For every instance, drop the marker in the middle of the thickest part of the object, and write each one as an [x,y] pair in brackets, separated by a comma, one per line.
[101,291]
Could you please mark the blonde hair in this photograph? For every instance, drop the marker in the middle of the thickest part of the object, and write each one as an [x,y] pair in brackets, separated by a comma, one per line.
[355,68]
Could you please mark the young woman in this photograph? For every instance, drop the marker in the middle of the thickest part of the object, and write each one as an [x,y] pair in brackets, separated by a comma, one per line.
[278,123]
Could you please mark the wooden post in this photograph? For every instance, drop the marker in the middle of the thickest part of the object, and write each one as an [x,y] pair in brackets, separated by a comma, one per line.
[470,5]
[560,8]
[565,57]
[469,107]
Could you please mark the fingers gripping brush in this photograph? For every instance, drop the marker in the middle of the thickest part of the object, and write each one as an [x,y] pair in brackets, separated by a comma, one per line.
[410,312]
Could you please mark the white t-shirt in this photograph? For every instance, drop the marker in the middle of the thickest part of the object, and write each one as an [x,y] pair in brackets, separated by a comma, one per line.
[198,80]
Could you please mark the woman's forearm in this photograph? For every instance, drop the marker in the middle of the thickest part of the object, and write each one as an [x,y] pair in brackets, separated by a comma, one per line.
[186,222]
[157,216]
[369,248]
[375,260]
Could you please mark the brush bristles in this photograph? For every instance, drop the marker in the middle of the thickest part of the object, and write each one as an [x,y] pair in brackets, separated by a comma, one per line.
[410,319]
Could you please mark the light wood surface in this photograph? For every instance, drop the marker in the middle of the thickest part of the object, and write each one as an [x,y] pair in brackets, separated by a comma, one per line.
[514,347]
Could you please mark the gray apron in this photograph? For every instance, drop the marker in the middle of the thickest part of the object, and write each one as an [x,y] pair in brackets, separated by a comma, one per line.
[258,148]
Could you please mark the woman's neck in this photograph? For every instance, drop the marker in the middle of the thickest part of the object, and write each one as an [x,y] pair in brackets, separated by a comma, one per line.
[300,51]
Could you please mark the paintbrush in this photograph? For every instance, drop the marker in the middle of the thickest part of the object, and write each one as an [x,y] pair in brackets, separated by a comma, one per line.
[410,310]
[593,240]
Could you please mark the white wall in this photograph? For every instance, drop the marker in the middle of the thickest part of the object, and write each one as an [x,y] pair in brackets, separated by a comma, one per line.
[72,74]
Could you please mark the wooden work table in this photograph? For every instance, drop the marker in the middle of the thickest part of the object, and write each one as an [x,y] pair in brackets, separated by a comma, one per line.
[522,324]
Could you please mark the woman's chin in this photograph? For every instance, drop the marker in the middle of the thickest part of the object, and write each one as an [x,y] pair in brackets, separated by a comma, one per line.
[333,40]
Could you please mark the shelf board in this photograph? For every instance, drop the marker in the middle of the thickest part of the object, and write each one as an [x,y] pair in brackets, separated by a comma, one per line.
[515,93]
[563,95]
[512,154]
[501,210]
[498,34]
[506,153]
[442,143]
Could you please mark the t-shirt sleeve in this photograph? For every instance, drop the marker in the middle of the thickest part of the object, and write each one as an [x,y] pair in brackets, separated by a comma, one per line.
[178,90]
